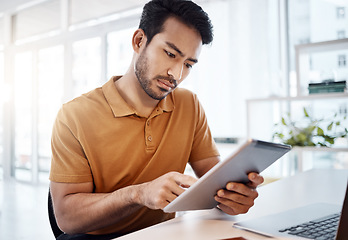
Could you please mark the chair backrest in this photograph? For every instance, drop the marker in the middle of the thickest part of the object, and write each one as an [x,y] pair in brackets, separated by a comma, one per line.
[55,229]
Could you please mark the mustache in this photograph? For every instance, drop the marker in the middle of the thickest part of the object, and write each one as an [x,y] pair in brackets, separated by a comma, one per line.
[169,79]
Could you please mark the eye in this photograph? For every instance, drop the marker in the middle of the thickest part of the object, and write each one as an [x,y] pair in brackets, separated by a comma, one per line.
[171,55]
[188,65]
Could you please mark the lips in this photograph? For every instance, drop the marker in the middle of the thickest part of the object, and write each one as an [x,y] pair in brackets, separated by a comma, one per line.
[166,84]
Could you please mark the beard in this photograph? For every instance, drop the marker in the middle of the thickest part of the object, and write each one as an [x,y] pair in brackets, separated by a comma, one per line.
[146,83]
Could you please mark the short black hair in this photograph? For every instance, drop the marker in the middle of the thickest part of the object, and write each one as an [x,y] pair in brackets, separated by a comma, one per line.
[156,12]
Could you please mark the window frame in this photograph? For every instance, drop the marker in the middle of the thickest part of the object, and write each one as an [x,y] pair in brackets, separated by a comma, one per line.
[66,38]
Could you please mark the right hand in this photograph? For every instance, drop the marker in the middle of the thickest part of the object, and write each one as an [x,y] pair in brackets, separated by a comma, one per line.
[160,192]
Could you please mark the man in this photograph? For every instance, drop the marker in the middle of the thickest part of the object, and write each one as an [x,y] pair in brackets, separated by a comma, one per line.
[119,151]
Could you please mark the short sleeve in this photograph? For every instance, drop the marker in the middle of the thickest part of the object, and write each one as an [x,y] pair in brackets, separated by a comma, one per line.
[203,143]
[69,163]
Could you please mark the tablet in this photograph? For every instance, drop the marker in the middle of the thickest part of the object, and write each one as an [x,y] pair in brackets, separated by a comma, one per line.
[253,156]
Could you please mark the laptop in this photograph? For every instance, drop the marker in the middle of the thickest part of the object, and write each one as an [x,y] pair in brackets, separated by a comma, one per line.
[320,221]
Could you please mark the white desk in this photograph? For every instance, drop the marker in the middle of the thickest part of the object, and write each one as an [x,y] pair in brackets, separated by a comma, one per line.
[299,190]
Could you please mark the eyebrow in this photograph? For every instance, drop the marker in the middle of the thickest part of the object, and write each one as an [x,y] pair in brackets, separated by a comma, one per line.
[172,45]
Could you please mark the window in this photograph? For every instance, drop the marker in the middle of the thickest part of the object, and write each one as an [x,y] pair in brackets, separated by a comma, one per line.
[98,9]
[86,72]
[119,52]
[43,79]
[341,34]
[323,66]
[304,41]
[2,100]
[37,20]
[315,28]
[341,12]
[2,40]
[49,99]
[342,60]
[23,115]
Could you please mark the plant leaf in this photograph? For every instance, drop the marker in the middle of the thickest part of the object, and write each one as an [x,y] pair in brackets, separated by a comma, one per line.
[301,137]
[320,131]
[305,112]
[330,126]
[329,139]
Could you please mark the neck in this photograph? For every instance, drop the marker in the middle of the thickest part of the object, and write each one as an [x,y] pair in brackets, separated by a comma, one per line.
[131,91]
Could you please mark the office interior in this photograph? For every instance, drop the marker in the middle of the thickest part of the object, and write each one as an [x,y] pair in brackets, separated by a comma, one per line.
[256,74]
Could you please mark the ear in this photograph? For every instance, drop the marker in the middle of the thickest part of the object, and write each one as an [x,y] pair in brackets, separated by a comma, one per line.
[138,40]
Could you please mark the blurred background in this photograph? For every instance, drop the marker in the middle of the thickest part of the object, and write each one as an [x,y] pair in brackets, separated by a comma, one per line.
[276,71]
[269,59]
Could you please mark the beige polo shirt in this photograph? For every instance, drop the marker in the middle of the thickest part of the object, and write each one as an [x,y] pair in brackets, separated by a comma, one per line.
[99,138]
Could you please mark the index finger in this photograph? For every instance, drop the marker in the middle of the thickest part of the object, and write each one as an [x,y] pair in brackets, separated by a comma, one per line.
[185,180]
[181,181]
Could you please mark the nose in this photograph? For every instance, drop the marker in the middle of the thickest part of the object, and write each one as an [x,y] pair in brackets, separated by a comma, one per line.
[176,71]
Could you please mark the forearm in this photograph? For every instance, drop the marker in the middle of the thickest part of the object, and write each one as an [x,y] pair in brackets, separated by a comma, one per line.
[86,212]
[204,165]
[79,210]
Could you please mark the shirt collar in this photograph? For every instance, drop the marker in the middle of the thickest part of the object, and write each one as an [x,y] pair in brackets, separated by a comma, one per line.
[120,107]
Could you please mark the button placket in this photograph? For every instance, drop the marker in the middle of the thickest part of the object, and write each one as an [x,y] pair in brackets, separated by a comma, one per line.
[149,139]
[148,133]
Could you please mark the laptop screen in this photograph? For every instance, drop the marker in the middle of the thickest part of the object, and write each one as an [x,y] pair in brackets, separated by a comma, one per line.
[342,232]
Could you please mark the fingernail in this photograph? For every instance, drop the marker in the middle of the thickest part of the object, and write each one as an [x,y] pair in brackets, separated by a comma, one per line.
[220,193]
[230,186]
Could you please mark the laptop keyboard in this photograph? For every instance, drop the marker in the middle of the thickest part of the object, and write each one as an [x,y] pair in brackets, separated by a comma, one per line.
[320,229]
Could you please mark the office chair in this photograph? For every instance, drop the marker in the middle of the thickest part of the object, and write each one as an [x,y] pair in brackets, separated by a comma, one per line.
[54,226]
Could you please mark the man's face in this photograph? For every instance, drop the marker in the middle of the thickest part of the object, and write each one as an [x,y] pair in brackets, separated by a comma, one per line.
[167,60]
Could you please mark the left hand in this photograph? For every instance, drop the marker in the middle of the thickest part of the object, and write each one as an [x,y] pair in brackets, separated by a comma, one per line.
[238,198]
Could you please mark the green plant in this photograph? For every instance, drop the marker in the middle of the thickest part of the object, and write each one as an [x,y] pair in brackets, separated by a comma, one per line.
[310,131]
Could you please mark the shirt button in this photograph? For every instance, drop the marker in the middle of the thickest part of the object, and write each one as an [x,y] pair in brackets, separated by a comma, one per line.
[148,123]
[149,138]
